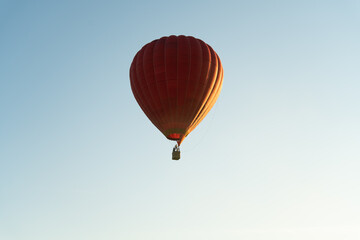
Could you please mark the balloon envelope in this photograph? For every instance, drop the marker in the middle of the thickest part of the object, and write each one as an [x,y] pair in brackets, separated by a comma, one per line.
[176,80]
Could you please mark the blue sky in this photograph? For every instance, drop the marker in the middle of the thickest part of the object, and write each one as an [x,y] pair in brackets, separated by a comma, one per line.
[276,158]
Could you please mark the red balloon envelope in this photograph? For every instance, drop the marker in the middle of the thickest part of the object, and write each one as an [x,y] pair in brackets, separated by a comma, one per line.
[176,80]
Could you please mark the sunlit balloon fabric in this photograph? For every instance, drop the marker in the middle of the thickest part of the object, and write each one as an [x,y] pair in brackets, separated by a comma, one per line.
[176,81]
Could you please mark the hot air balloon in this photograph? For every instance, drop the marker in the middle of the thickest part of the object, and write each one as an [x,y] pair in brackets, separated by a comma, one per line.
[176,80]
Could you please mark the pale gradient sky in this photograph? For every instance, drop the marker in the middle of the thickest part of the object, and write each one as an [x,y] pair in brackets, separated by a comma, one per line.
[278,158]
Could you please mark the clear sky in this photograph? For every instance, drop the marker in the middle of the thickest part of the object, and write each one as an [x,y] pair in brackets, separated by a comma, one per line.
[278,158]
